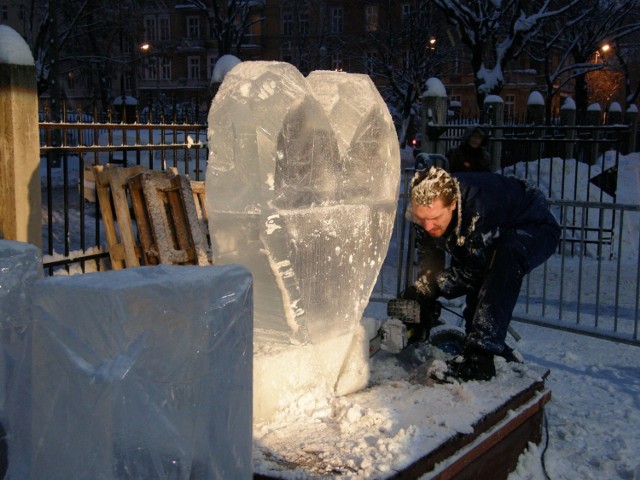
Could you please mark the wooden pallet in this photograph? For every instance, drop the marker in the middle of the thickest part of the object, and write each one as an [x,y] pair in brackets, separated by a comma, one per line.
[169,217]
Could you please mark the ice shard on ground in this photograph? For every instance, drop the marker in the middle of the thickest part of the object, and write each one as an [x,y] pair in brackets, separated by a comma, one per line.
[302,188]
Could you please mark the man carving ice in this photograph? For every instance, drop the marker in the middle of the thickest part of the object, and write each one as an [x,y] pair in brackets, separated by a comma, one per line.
[497,229]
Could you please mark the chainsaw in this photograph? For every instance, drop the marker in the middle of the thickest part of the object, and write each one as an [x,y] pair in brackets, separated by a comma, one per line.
[406,325]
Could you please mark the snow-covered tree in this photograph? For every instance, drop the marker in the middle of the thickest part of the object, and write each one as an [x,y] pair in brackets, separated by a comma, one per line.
[608,22]
[496,32]
[229,22]
[406,53]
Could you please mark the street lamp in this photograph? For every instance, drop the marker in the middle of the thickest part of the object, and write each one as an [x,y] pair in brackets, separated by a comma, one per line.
[605,48]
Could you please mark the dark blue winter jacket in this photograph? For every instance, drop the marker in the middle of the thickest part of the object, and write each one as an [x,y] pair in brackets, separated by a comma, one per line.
[492,207]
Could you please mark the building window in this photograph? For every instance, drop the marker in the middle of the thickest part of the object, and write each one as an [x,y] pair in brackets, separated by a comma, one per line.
[164,28]
[4,12]
[286,55]
[165,69]
[336,62]
[371,18]
[193,68]
[337,14]
[287,23]
[304,22]
[509,106]
[151,69]
[23,12]
[193,27]
[150,32]
[128,81]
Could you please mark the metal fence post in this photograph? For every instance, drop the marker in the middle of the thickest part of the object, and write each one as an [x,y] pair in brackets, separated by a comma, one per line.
[20,205]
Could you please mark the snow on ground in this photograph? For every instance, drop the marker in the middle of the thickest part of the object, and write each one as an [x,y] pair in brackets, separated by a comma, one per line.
[592,419]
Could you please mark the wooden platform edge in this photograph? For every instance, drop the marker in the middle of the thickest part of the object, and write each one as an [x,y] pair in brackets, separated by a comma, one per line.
[494,454]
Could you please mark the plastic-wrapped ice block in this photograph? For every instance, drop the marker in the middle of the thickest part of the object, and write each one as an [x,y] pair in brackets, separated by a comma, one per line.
[302,189]
[20,267]
[143,373]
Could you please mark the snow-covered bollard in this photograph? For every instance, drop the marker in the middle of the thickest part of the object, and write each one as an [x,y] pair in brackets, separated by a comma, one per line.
[631,119]
[20,268]
[568,119]
[535,108]
[594,117]
[143,373]
[434,113]
[614,114]
[20,146]
[493,114]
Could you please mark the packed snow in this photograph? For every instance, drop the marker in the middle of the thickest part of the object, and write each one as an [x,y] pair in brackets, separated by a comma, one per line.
[535,98]
[433,87]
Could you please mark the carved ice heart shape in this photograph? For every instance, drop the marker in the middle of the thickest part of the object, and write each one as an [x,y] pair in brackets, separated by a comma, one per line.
[302,189]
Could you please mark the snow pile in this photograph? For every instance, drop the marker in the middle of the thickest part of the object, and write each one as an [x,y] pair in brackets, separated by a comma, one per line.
[223,66]
[433,87]
[535,98]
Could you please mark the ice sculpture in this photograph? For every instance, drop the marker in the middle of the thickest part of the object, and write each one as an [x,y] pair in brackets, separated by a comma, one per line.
[301,188]
[20,268]
[142,373]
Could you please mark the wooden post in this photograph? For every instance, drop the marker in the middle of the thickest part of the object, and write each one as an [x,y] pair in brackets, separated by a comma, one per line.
[493,114]
[434,115]
[631,117]
[568,119]
[20,205]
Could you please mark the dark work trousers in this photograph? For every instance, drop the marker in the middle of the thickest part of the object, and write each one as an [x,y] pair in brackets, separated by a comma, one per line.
[492,297]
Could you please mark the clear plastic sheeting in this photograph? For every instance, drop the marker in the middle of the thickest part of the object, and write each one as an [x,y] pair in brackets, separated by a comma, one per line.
[302,189]
[20,267]
[142,373]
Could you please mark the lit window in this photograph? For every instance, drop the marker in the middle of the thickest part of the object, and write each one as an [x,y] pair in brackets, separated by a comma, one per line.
[371,18]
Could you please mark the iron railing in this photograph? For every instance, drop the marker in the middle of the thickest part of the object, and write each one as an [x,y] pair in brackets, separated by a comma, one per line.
[72,231]
[590,286]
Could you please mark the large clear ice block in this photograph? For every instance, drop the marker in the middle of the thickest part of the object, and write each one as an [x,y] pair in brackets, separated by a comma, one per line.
[302,188]
[143,373]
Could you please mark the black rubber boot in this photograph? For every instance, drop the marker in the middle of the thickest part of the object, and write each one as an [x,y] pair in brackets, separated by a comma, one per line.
[473,364]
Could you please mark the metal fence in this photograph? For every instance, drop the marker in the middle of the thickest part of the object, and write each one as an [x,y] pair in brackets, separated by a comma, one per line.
[591,285]
[69,147]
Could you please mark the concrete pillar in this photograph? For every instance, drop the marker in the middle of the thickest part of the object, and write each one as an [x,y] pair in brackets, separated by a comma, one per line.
[434,115]
[631,118]
[568,119]
[20,204]
[493,114]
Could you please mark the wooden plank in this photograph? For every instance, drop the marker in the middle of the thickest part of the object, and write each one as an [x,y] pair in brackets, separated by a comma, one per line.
[112,196]
[149,250]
